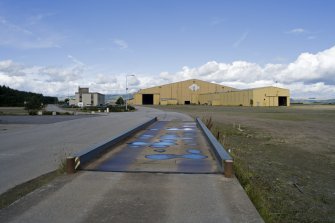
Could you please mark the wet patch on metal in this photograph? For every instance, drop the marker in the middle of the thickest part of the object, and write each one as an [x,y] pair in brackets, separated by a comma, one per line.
[138,143]
[176,147]
[160,150]
[145,136]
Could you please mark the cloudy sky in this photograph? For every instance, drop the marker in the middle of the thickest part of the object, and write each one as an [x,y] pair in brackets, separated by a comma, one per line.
[52,47]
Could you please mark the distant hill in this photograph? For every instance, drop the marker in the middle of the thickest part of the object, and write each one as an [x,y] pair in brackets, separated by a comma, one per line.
[14,98]
[312,101]
[114,97]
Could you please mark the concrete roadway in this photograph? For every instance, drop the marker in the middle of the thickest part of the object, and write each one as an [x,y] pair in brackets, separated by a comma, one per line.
[133,197]
[28,151]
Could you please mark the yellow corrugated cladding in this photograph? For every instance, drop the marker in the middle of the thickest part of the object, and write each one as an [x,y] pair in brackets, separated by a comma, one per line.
[200,92]
[270,96]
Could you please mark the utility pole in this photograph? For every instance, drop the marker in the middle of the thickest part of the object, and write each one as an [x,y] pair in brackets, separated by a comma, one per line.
[131,75]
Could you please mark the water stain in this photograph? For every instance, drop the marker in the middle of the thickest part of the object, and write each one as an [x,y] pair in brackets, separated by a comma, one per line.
[173,129]
[169,142]
[160,150]
[161,156]
[159,146]
[146,136]
[188,129]
[169,137]
[135,146]
[138,144]
[162,144]
[194,151]
[194,156]
[181,129]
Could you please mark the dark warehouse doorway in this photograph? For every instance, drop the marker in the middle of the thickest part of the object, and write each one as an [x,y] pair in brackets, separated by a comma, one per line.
[147,99]
[187,102]
[282,101]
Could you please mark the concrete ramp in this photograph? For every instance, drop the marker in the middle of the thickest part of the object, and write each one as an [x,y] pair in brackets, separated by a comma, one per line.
[167,147]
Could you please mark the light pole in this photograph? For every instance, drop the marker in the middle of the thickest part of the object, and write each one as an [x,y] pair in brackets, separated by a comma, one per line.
[130,75]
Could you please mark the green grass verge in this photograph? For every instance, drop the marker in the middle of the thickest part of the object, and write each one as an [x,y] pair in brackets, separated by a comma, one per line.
[282,181]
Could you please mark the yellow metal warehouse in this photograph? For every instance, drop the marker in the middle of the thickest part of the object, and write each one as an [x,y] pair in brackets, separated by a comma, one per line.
[201,92]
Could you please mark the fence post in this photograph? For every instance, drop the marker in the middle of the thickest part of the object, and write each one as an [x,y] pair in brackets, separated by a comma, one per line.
[228,168]
[70,165]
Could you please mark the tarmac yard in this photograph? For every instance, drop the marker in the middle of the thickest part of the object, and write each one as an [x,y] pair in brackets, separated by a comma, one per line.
[164,173]
[168,147]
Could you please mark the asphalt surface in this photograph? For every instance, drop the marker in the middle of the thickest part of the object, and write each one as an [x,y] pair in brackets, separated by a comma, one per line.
[35,120]
[91,196]
[28,151]
[135,197]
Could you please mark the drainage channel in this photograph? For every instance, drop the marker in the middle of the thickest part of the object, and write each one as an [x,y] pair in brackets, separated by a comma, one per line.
[166,147]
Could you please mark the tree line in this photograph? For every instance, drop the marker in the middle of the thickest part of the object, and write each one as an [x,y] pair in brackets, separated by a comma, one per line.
[15,98]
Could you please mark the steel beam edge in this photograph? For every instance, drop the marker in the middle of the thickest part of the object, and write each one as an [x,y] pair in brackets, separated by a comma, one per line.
[85,156]
[221,155]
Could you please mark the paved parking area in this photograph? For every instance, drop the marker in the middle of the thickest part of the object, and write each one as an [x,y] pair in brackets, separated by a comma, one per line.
[45,119]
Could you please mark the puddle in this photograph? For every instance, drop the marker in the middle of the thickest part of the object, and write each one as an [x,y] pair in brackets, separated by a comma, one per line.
[168,142]
[153,129]
[138,144]
[161,156]
[188,129]
[173,129]
[169,137]
[162,144]
[159,146]
[160,150]
[181,129]
[194,156]
[194,151]
[146,136]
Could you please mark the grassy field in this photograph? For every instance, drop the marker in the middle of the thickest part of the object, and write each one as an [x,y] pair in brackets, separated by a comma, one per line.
[284,157]
[13,111]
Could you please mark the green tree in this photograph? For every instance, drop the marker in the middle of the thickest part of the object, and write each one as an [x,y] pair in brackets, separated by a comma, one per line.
[33,103]
[119,101]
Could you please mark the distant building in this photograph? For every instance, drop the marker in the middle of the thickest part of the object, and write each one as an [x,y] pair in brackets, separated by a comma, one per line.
[84,98]
[200,92]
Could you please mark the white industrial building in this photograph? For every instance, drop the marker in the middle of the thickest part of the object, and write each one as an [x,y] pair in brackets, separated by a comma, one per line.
[84,98]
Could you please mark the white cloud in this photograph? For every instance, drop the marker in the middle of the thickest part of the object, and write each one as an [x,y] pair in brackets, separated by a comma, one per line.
[23,36]
[311,68]
[75,60]
[297,31]
[216,21]
[310,75]
[121,43]
[241,39]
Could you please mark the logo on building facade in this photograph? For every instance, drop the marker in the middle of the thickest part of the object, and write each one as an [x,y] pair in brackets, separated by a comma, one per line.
[194,87]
